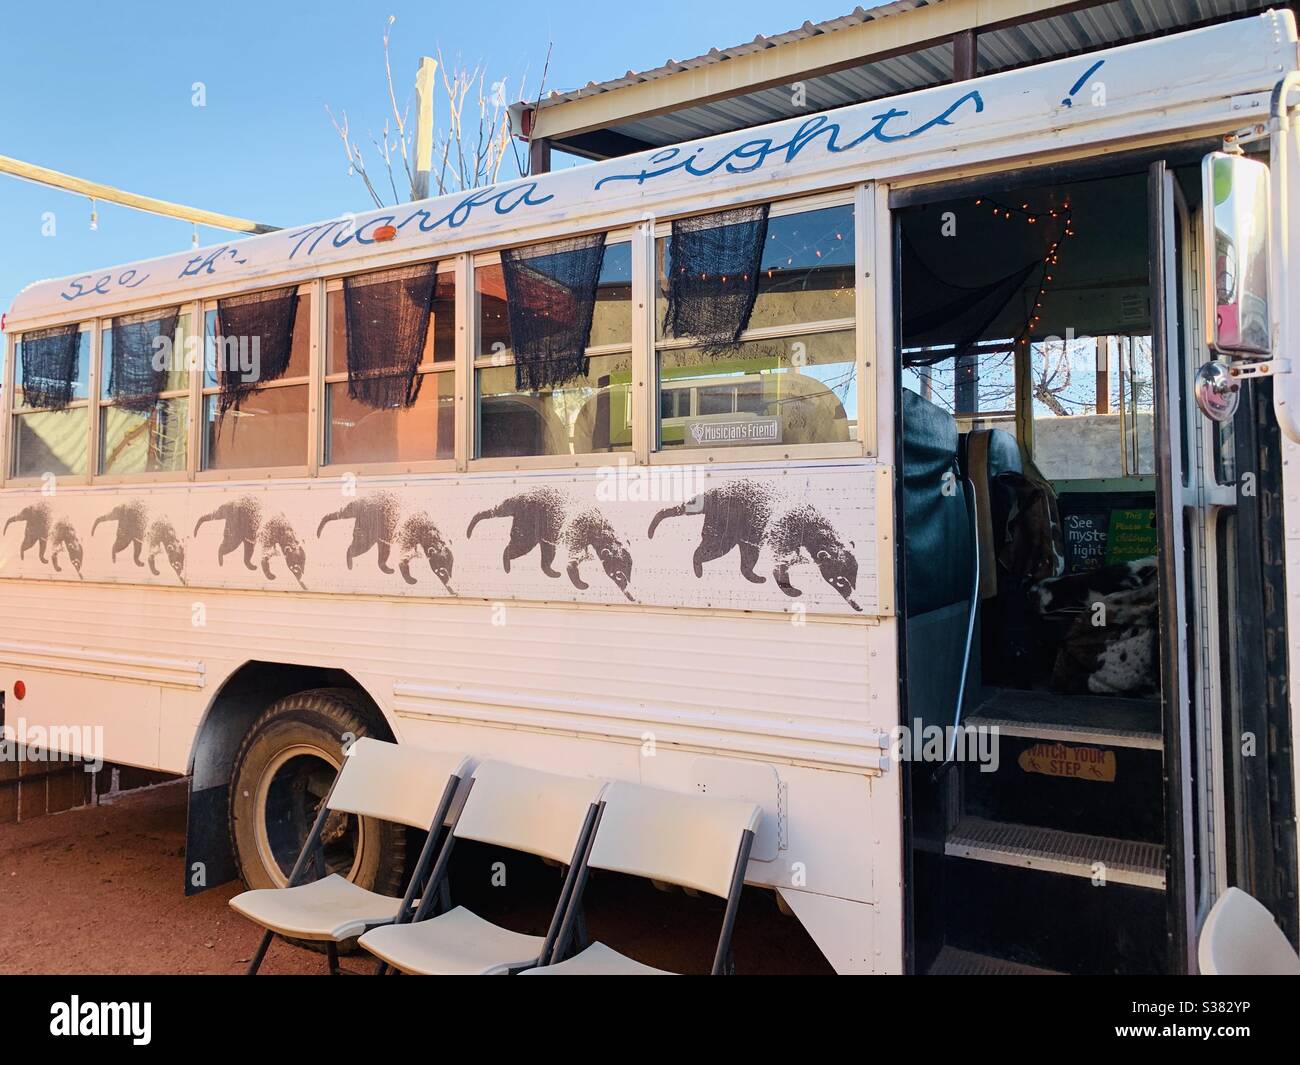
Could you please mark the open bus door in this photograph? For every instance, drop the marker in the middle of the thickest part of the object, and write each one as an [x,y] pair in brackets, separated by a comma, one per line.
[1120,806]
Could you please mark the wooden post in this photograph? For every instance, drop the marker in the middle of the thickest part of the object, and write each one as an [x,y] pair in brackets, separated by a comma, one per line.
[965,55]
[423,125]
[539,156]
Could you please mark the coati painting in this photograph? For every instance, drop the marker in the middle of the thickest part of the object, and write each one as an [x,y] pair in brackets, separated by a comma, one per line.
[163,540]
[420,536]
[130,518]
[64,538]
[40,530]
[241,518]
[374,524]
[243,528]
[544,517]
[748,515]
[277,538]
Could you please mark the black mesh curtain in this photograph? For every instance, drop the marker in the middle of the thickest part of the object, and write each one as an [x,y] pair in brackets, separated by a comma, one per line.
[714,261]
[262,318]
[550,298]
[936,312]
[49,366]
[140,363]
[387,316]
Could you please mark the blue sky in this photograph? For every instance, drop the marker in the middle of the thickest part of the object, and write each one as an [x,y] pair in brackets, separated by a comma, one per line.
[103,91]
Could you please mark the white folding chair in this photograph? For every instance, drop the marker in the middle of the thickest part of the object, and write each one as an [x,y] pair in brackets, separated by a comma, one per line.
[694,841]
[1240,938]
[403,784]
[544,814]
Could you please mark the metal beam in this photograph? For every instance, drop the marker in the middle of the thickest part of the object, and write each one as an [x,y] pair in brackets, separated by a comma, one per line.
[423,125]
[965,55]
[41,175]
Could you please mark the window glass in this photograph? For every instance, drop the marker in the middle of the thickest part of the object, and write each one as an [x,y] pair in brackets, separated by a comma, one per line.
[800,389]
[806,273]
[154,442]
[235,349]
[268,429]
[584,416]
[426,430]
[53,442]
[439,342]
[611,321]
[177,359]
[81,385]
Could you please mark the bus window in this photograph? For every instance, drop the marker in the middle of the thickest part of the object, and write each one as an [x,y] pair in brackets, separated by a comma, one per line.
[269,426]
[48,441]
[583,416]
[152,441]
[795,385]
[358,433]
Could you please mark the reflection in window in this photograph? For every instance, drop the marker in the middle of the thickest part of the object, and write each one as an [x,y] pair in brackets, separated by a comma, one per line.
[54,442]
[587,415]
[357,433]
[155,440]
[269,427]
[794,390]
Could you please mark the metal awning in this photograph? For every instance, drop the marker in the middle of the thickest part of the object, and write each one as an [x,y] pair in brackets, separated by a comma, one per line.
[869,54]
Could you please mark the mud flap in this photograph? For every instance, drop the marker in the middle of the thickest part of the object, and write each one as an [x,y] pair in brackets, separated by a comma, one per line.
[209,860]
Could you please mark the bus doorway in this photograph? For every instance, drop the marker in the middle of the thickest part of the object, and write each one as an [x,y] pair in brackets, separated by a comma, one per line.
[1039,342]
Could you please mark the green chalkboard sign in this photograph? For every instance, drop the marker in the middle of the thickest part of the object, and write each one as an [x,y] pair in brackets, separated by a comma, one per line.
[1132,535]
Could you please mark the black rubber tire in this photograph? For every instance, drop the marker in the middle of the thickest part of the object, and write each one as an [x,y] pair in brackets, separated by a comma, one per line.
[316,723]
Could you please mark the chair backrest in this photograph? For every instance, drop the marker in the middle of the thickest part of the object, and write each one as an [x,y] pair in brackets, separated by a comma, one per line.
[1240,938]
[527,810]
[394,782]
[686,839]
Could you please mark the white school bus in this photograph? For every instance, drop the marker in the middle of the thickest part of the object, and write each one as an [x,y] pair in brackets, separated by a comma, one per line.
[933,557]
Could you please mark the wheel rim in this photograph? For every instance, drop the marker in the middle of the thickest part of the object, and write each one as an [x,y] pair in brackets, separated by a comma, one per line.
[288,797]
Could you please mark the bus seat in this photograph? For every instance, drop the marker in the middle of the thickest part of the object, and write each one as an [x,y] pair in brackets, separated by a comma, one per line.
[989,452]
[936,522]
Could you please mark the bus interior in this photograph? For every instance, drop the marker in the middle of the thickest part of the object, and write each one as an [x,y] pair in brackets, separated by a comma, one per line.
[1029,515]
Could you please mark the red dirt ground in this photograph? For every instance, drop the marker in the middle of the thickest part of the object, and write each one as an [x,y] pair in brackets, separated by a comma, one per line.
[99,890]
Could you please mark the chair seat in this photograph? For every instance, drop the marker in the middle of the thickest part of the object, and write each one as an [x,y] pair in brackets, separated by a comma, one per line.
[330,908]
[456,943]
[597,960]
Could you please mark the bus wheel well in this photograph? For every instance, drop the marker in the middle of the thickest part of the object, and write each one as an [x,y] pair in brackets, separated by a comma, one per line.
[245,694]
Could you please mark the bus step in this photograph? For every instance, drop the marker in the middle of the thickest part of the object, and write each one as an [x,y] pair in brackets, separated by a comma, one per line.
[1049,850]
[953,961]
[1096,719]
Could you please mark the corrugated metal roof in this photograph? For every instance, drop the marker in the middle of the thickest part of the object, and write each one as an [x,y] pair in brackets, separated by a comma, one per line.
[1048,37]
[717,55]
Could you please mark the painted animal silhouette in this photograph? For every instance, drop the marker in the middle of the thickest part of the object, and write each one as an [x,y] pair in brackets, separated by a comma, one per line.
[374,523]
[420,536]
[277,538]
[131,518]
[749,515]
[37,520]
[64,538]
[163,540]
[242,519]
[541,517]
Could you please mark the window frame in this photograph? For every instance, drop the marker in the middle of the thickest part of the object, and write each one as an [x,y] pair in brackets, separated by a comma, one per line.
[99,404]
[320,434]
[12,411]
[862,322]
[871,322]
[475,362]
[201,391]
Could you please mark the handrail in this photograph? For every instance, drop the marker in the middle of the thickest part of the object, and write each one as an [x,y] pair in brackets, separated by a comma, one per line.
[969,489]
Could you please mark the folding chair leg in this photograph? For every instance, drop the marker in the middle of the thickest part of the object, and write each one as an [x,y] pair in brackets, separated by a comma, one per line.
[382,969]
[332,955]
[256,963]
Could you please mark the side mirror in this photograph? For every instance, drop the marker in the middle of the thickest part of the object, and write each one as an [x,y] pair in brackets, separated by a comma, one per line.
[1235,235]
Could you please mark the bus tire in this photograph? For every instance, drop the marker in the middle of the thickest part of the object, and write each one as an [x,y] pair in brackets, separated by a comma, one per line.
[285,765]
